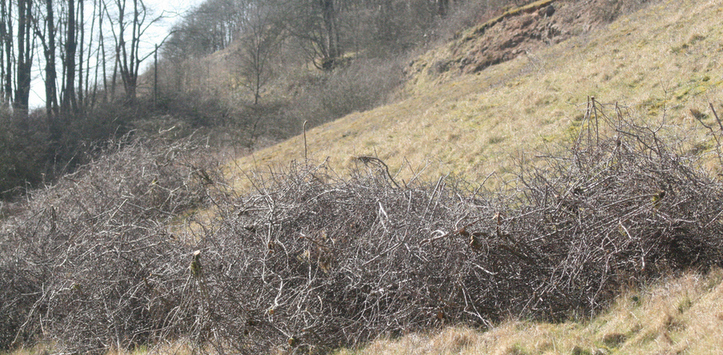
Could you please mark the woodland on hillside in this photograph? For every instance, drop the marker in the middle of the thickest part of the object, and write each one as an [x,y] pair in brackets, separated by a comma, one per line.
[92,59]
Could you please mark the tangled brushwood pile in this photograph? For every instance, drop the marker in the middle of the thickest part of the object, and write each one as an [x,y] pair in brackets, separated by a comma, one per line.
[311,260]
[79,262]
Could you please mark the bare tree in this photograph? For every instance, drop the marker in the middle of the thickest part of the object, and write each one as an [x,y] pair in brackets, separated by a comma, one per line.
[6,37]
[81,36]
[260,39]
[45,31]
[210,27]
[88,90]
[25,55]
[331,30]
[127,46]
[101,55]
[69,103]
[315,24]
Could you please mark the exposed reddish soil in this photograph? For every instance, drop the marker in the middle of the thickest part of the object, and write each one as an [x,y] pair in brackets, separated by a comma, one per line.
[524,30]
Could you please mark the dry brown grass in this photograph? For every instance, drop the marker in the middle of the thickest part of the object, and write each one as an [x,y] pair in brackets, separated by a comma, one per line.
[660,61]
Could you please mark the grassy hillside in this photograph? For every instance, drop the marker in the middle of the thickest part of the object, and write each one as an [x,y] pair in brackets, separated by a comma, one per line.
[660,62]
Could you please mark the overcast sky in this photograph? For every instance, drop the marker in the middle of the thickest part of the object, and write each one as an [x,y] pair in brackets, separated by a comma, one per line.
[172,12]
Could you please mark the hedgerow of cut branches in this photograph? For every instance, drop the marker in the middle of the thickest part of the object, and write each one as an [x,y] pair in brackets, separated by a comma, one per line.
[309,260]
[79,263]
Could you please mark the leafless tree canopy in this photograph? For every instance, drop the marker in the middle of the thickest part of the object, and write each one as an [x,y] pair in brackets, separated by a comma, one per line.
[121,254]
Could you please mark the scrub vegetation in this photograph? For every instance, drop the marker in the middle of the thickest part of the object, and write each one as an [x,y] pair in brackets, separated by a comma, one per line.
[532,179]
[150,244]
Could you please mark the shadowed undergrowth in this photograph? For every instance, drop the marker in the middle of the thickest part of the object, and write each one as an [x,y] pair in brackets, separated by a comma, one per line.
[679,314]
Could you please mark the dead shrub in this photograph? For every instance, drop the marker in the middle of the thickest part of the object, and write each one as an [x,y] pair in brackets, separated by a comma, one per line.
[309,260]
[80,263]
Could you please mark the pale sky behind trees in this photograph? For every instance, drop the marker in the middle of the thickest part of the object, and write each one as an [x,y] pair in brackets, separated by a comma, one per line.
[172,13]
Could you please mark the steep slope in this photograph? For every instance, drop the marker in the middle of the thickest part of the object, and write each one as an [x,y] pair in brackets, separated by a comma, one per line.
[660,62]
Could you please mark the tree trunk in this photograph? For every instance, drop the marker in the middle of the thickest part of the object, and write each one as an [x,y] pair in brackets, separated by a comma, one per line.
[6,35]
[101,39]
[51,96]
[332,36]
[25,56]
[81,54]
[69,102]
